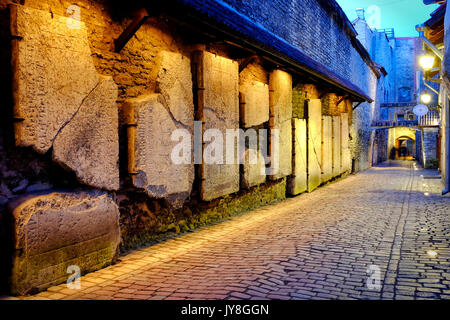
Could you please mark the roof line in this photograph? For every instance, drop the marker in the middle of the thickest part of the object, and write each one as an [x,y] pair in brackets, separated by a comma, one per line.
[244,31]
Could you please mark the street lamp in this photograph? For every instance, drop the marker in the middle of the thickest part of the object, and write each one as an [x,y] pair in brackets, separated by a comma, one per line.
[425,97]
[426,62]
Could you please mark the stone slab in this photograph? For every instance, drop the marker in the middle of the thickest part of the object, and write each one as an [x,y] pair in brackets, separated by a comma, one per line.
[298,181]
[314,114]
[89,143]
[218,104]
[174,82]
[53,72]
[60,100]
[150,148]
[254,168]
[327,149]
[346,160]
[254,103]
[56,230]
[281,155]
[280,86]
[336,146]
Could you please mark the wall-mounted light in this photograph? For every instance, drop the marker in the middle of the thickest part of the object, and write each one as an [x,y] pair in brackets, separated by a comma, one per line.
[425,97]
[426,62]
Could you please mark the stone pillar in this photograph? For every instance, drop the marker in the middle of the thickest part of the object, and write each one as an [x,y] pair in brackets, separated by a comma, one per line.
[298,181]
[314,143]
[327,149]
[336,170]
[217,85]
[280,105]
[346,160]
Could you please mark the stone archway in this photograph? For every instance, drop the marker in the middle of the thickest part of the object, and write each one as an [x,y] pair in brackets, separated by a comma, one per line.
[405,148]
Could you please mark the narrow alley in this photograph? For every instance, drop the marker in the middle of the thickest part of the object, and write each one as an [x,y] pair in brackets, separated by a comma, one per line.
[320,245]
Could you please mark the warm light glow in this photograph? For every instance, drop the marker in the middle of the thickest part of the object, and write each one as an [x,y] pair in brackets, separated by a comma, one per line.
[432,253]
[425,98]
[426,62]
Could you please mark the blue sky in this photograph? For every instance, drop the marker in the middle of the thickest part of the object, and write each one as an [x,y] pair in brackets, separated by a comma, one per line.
[402,15]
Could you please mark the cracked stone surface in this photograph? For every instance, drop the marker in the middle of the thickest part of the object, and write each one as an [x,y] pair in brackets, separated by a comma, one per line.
[89,144]
[314,143]
[157,117]
[63,101]
[150,151]
[219,109]
[298,181]
[55,230]
[315,246]
[53,73]
[254,105]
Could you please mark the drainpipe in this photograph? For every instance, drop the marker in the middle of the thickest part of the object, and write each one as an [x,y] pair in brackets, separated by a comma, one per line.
[447,147]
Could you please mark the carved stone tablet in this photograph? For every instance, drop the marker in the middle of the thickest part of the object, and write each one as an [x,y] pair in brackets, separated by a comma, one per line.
[281,157]
[254,171]
[254,103]
[53,74]
[327,149]
[346,160]
[154,168]
[280,85]
[89,143]
[57,230]
[59,98]
[218,102]
[314,143]
[336,146]
[298,182]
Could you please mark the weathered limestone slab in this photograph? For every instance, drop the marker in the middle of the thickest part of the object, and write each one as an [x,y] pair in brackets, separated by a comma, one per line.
[218,104]
[346,161]
[336,146]
[280,86]
[314,143]
[254,103]
[60,229]
[281,161]
[53,73]
[150,150]
[174,82]
[60,100]
[89,143]
[254,168]
[298,181]
[327,149]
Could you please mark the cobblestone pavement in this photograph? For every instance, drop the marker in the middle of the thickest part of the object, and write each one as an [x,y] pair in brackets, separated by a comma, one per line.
[314,246]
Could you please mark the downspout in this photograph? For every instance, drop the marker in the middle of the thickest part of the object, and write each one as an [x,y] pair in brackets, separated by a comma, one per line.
[447,147]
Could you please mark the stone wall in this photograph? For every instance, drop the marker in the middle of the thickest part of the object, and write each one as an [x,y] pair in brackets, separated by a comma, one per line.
[429,147]
[99,124]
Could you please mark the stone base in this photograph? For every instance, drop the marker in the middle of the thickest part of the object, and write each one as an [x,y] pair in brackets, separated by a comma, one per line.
[54,231]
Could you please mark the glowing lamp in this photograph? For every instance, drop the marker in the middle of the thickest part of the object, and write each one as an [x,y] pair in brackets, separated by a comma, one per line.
[425,97]
[426,62]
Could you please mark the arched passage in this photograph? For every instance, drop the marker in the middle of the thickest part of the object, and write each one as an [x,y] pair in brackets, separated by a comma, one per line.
[404,148]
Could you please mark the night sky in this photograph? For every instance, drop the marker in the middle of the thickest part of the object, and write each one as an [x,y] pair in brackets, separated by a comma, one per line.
[402,15]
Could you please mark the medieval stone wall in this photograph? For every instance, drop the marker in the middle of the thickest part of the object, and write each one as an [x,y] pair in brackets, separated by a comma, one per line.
[87,125]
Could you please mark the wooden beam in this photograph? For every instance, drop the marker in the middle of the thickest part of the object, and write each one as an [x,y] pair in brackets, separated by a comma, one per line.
[342,99]
[244,64]
[139,18]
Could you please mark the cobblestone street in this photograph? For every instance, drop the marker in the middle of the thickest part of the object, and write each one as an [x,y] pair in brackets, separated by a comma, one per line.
[314,246]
